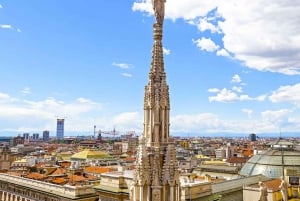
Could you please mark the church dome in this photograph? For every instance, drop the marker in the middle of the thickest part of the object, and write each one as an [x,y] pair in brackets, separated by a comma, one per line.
[280,159]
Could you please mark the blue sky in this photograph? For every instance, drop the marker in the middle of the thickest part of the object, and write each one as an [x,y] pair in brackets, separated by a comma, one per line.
[232,67]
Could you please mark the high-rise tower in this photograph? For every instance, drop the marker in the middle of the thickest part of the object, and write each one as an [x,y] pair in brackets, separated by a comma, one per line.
[156,176]
[60,127]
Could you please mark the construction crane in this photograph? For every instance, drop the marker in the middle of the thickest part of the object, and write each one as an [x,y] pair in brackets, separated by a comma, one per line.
[94,132]
[113,132]
[130,133]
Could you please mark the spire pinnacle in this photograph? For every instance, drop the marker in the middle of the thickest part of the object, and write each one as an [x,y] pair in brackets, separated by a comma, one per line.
[159,10]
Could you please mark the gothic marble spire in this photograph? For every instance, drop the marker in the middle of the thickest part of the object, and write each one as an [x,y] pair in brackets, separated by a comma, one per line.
[156,100]
[156,176]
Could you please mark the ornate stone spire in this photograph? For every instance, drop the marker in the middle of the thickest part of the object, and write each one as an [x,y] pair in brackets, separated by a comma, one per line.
[156,100]
[156,177]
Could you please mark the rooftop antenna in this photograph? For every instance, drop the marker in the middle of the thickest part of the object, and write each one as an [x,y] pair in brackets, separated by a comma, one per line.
[281,148]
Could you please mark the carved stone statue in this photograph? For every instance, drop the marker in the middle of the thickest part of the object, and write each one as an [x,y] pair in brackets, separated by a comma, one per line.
[159,10]
[156,196]
[131,192]
[283,189]
[263,192]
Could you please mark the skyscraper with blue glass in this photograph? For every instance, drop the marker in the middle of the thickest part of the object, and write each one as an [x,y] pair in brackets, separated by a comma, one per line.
[60,128]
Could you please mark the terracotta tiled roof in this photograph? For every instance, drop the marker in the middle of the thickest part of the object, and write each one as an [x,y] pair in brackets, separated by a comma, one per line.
[247,152]
[129,159]
[76,178]
[91,177]
[98,170]
[273,184]
[36,176]
[132,167]
[116,153]
[58,172]
[59,180]
[65,164]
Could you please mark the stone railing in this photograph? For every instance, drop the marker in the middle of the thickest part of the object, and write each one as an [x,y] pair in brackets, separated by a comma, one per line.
[48,187]
[236,184]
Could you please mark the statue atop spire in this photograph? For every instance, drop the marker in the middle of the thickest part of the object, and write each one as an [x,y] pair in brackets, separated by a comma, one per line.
[159,10]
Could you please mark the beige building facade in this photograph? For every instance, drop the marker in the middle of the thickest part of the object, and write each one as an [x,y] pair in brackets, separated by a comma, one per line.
[15,188]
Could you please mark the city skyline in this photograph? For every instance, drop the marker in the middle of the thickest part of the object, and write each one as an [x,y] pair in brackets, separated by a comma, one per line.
[231,67]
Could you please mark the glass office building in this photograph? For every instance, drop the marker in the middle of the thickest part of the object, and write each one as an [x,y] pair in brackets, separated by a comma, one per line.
[60,128]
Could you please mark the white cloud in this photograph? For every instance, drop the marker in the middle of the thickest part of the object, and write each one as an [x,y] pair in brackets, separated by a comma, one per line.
[1,6]
[227,96]
[128,121]
[204,25]
[261,97]
[248,112]
[51,106]
[82,113]
[269,122]
[144,5]
[5,98]
[195,123]
[236,79]
[237,89]
[264,35]
[223,52]
[26,90]
[213,90]
[235,94]
[224,95]
[121,65]
[166,51]
[127,74]
[31,113]
[206,44]
[84,100]
[279,117]
[188,9]
[6,26]
[266,41]
[289,93]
